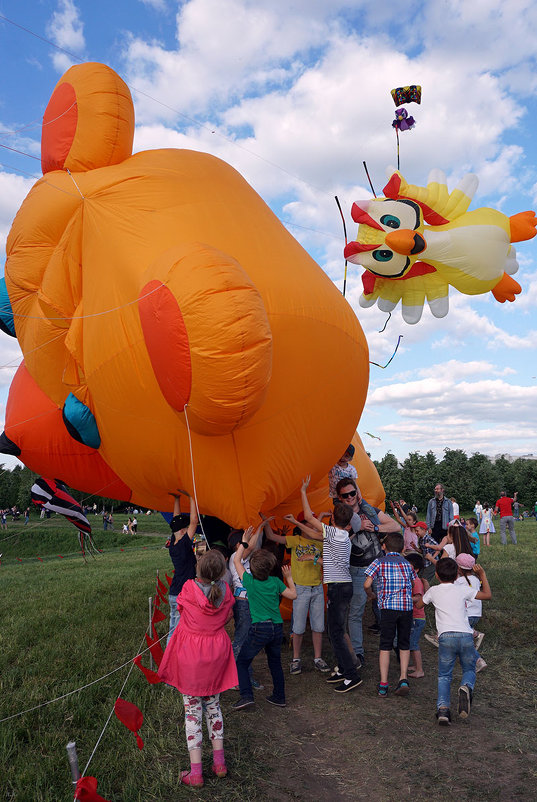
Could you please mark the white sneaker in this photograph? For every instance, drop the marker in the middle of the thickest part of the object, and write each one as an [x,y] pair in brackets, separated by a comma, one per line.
[478,640]
[480,665]
[432,639]
[320,665]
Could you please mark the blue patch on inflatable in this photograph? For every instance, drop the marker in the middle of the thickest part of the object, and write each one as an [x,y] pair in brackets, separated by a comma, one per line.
[7,324]
[80,422]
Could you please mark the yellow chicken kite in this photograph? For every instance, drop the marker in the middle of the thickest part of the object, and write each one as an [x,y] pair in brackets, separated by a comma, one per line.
[417,241]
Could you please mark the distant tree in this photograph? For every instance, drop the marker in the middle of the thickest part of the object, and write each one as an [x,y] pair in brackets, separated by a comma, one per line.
[483,480]
[388,468]
[525,481]
[418,475]
[454,473]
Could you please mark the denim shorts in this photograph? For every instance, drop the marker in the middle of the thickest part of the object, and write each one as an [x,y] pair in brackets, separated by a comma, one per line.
[308,598]
[418,625]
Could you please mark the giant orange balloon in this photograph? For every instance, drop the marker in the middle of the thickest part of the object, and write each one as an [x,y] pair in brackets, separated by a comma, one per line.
[186,337]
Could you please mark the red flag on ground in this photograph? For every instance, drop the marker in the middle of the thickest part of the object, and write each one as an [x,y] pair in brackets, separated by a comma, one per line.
[158,615]
[151,676]
[155,648]
[86,790]
[162,596]
[131,716]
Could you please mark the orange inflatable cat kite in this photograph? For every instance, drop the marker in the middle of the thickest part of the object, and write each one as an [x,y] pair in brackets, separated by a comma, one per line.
[169,322]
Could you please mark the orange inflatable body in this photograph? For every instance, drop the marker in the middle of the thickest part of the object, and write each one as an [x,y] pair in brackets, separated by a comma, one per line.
[180,329]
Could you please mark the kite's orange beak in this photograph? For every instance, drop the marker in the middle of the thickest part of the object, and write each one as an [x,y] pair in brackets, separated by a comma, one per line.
[405,241]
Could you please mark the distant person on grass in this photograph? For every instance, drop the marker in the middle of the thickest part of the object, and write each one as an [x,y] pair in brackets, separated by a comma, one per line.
[455,635]
[182,555]
[266,631]
[419,586]
[487,526]
[199,661]
[394,579]
[439,513]
[337,576]
[504,506]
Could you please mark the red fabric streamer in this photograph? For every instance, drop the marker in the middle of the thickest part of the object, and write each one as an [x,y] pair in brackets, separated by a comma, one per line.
[40,559]
[86,790]
[161,586]
[162,596]
[156,601]
[168,579]
[155,648]
[158,615]
[151,676]
[131,716]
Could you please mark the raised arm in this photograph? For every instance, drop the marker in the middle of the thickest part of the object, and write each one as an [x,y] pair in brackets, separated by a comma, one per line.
[290,591]
[270,533]
[239,554]
[253,542]
[485,593]
[396,514]
[308,514]
[192,526]
[308,531]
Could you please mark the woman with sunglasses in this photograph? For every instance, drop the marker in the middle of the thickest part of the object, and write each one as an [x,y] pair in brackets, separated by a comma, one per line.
[369,524]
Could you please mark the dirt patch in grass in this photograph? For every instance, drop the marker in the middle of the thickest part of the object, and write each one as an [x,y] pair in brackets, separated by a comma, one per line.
[358,746]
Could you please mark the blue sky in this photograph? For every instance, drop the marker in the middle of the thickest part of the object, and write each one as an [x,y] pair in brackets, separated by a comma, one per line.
[296,96]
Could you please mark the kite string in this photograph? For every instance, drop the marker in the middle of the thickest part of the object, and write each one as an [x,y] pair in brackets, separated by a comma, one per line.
[193,476]
[392,356]
[82,687]
[83,317]
[112,711]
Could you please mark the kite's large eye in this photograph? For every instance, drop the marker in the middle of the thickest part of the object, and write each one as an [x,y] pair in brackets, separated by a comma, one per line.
[382,256]
[390,220]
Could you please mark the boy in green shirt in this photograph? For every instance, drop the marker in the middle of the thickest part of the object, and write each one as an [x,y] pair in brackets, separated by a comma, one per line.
[266,631]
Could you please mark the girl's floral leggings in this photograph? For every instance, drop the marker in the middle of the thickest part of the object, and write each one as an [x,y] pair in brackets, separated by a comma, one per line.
[195,706]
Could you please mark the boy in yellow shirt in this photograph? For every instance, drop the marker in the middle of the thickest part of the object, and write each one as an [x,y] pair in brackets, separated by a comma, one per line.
[306,568]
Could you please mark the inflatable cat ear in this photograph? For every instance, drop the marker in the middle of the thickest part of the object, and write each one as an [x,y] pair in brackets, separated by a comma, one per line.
[88,122]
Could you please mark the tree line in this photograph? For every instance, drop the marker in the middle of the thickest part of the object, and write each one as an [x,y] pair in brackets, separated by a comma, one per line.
[16,484]
[465,478]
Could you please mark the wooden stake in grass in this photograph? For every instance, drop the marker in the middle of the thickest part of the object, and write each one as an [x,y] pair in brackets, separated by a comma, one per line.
[151,664]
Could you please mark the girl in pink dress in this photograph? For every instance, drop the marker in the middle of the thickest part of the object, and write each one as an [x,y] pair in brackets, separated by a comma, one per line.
[199,662]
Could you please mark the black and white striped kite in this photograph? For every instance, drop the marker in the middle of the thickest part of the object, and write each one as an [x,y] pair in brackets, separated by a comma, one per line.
[52,495]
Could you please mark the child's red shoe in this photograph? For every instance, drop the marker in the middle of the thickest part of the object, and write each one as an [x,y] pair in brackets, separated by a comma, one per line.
[220,769]
[187,778]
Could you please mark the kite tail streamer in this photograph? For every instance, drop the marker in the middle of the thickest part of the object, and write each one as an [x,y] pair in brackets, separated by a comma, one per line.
[345,234]
[369,179]
[392,356]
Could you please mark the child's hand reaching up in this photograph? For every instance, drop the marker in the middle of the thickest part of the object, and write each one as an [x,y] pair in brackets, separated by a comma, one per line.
[286,571]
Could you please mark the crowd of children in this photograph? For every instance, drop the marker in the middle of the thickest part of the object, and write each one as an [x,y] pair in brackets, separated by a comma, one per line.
[201,661]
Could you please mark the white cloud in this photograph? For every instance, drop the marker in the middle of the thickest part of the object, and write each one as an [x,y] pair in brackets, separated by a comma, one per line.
[439,411]
[66,29]
[158,5]
[13,190]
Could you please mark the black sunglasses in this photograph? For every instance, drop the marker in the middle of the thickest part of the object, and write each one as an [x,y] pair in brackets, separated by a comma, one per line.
[350,494]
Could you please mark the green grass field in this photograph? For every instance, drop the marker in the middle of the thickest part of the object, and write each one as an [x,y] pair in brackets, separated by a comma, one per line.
[65,622]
